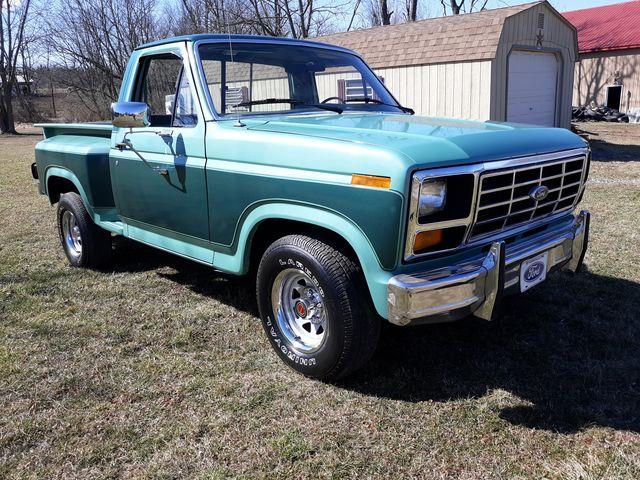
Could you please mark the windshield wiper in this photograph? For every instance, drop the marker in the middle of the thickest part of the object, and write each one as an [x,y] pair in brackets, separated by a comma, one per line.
[379,102]
[266,101]
[331,108]
[292,101]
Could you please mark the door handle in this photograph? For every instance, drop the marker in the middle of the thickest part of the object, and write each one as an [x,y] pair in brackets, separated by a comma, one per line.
[164,133]
[161,171]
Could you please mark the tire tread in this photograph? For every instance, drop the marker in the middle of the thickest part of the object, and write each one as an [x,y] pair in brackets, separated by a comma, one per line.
[97,244]
[361,323]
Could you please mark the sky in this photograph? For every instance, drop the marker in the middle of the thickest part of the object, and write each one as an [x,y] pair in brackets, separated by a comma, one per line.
[560,5]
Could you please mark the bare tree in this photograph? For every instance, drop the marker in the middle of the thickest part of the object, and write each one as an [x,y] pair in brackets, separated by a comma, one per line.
[268,17]
[354,13]
[205,16]
[281,18]
[24,93]
[411,10]
[378,13]
[292,18]
[94,40]
[13,21]
[455,7]
[385,14]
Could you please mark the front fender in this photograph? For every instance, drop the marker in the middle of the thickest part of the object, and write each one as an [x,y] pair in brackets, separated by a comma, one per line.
[238,262]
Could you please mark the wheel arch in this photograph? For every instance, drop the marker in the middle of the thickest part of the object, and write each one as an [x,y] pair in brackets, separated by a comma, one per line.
[56,186]
[60,180]
[271,221]
[271,229]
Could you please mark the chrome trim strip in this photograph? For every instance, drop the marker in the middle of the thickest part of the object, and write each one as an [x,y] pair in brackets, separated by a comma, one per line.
[563,160]
[413,227]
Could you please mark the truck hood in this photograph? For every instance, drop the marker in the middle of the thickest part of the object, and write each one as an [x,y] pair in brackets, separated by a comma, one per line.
[424,140]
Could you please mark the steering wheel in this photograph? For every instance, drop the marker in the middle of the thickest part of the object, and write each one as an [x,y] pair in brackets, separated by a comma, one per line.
[328,99]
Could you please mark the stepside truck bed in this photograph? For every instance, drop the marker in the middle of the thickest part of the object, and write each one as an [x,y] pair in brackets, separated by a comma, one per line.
[78,153]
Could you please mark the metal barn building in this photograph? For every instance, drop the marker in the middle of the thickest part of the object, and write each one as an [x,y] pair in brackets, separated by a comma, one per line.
[608,72]
[509,64]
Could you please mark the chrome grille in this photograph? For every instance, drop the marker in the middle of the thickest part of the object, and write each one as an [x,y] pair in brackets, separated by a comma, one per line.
[504,199]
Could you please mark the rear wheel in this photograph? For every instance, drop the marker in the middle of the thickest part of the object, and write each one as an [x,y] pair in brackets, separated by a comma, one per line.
[84,243]
[315,308]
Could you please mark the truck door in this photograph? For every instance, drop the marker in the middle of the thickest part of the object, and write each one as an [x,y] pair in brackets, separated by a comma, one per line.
[162,199]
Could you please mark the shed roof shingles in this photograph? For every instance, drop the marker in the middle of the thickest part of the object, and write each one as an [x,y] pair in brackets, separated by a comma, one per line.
[473,36]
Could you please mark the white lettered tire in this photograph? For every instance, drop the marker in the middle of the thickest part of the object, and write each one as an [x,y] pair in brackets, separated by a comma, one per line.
[315,308]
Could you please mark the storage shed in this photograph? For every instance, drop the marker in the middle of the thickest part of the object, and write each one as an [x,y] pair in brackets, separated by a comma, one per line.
[509,64]
[608,72]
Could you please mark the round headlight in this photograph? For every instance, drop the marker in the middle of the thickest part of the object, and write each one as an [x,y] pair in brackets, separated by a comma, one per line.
[433,196]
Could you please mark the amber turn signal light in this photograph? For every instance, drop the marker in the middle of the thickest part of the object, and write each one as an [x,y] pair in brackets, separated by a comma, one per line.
[425,240]
[370,181]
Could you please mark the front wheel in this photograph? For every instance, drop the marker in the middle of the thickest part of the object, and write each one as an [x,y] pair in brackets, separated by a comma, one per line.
[315,309]
[84,243]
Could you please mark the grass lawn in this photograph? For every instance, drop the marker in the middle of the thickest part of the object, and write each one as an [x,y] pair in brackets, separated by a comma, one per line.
[158,367]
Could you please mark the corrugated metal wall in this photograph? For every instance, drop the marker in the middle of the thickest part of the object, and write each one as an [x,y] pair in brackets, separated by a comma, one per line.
[596,71]
[521,31]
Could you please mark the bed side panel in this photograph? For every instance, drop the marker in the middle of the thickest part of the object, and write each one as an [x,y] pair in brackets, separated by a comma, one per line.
[87,157]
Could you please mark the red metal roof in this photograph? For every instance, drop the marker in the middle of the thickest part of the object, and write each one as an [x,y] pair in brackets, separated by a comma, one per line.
[612,27]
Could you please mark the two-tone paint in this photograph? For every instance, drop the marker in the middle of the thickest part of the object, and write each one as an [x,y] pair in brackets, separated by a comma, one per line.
[222,180]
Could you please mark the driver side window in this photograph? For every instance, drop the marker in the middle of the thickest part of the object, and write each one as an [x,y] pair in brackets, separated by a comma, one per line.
[162,84]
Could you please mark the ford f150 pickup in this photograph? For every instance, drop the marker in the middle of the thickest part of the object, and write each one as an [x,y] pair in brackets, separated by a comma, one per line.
[291,160]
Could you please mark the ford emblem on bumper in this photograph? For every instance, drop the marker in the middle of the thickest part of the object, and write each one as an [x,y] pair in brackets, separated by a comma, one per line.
[534,271]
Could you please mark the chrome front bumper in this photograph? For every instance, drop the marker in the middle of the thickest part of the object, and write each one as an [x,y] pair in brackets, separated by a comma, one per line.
[478,287]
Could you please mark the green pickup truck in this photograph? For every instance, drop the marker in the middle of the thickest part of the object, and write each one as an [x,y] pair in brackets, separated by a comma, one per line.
[291,160]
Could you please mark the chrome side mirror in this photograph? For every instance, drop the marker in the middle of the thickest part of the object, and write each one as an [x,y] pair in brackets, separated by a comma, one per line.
[130,114]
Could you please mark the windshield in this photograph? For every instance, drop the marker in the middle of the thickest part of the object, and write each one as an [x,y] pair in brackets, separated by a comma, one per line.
[259,78]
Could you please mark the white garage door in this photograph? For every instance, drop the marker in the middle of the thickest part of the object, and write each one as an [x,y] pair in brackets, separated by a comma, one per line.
[532,86]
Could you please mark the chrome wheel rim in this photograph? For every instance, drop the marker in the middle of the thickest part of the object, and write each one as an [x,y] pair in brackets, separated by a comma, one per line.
[71,234]
[299,309]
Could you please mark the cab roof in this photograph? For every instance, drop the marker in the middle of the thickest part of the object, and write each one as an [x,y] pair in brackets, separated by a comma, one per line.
[218,37]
